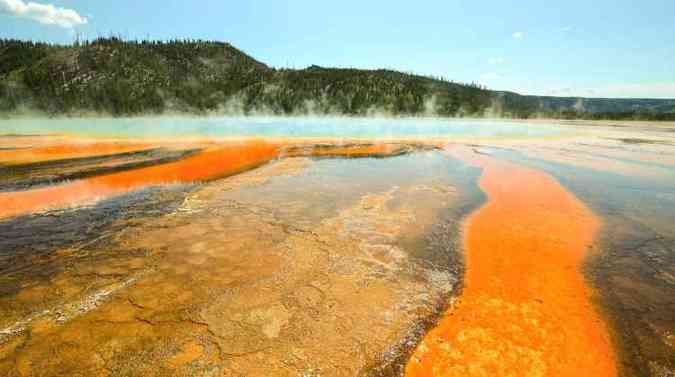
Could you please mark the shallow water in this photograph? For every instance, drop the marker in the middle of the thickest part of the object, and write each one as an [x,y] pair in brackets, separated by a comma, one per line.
[318,237]
[634,268]
[525,305]
[316,250]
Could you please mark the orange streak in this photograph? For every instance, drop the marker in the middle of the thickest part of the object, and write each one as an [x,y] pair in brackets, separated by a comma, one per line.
[207,165]
[67,151]
[216,162]
[525,309]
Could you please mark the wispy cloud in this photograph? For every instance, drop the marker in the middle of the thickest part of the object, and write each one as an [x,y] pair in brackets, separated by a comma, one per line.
[490,76]
[560,92]
[495,60]
[518,35]
[567,29]
[648,90]
[46,14]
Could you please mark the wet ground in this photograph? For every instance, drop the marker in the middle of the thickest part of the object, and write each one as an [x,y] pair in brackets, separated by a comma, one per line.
[290,257]
[634,265]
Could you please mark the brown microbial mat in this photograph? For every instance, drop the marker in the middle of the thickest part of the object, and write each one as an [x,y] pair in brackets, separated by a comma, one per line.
[473,256]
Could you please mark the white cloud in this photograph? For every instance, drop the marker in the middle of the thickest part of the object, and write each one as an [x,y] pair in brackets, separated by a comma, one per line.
[46,14]
[490,76]
[518,35]
[567,29]
[495,60]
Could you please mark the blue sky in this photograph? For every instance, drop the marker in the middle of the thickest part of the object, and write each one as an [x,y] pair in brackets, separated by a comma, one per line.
[617,48]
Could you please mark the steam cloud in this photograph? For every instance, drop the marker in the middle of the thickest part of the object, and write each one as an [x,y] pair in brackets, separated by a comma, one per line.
[46,14]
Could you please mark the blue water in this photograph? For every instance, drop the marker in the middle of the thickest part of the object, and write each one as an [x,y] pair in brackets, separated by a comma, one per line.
[279,127]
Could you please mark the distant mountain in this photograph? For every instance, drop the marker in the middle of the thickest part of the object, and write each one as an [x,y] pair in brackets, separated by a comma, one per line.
[112,76]
[598,108]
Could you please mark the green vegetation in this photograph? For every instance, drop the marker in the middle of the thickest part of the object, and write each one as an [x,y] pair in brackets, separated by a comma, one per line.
[117,77]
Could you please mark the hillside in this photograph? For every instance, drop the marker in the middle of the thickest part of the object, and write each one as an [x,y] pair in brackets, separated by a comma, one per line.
[112,76]
[592,108]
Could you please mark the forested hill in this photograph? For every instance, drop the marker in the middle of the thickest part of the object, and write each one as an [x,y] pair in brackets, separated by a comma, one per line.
[117,77]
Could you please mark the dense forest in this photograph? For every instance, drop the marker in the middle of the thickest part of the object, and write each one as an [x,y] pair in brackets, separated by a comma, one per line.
[112,76]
